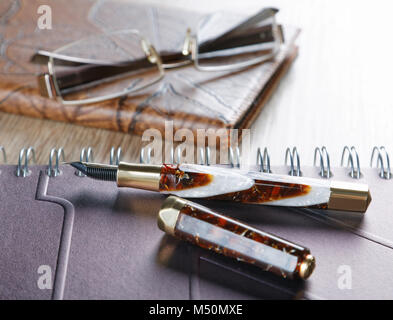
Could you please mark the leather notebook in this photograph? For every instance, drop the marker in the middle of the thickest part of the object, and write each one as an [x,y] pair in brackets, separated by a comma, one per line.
[102,242]
[191,98]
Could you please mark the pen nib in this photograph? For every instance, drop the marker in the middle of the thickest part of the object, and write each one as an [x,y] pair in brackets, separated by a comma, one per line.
[79,166]
[96,172]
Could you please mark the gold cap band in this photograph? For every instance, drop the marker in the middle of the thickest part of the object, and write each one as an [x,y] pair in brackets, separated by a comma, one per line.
[349,196]
[141,176]
[307,267]
[168,214]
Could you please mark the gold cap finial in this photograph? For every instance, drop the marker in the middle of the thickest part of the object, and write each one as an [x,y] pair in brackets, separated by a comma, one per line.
[307,267]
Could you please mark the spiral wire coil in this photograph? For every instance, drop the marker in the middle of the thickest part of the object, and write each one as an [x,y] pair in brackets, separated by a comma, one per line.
[353,158]
[145,155]
[54,171]
[115,156]
[383,165]
[379,159]
[25,155]
[263,160]
[324,162]
[204,156]
[234,156]
[294,161]
[85,156]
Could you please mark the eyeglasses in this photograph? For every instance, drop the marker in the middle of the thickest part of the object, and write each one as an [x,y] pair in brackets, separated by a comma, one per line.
[121,63]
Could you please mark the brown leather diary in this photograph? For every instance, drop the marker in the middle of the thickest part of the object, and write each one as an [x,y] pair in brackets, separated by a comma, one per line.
[192,99]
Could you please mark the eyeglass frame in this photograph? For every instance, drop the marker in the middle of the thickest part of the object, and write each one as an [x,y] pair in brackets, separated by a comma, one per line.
[48,85]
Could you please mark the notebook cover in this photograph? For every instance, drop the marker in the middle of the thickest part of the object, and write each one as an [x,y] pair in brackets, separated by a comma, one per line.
[192,99]
[103,242]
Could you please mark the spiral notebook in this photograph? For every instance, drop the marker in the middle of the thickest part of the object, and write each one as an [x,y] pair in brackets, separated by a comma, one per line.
[64,236]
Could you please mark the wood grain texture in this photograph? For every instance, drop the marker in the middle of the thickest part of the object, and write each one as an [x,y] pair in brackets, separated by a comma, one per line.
[336,93]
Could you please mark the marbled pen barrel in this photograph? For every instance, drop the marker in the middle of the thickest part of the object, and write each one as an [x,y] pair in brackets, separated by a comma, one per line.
[195,181]
[191,181]
[210,230]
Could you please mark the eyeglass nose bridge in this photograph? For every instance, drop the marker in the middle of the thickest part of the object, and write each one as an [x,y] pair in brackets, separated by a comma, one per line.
[150,52]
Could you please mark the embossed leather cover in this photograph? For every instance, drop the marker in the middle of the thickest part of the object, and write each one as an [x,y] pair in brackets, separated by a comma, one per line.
[191,98]
[103,242]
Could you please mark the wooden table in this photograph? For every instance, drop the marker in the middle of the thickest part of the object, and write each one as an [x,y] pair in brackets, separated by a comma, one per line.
[338,92]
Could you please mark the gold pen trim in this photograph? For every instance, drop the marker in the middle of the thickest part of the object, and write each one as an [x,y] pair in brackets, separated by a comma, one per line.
[141,176]
[169,213]
[307,267]
[349,196]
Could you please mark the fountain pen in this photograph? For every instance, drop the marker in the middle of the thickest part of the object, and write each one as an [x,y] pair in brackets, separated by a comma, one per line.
[235,185]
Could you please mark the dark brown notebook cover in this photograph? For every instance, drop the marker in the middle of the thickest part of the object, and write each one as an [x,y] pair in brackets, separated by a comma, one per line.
[191,98]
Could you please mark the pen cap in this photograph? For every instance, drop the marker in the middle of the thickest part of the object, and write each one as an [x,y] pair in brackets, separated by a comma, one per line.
[349,196]
[210,230]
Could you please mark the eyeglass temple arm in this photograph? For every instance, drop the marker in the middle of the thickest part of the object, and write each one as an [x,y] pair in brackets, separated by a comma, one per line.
[263,34]
[80,74]
[262,15]
[83,74]
[43,57]
[256,35]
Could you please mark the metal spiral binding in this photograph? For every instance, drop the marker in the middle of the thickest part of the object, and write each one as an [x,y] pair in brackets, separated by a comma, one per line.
[384,172]
[86,156]
[355,173]
[295,170]
[115,159]
[145,155]
[263,160]
[57,153]
[172,154]
[207,156]
[234,156]
[2,149]
[204,156]
[201,154]
[23,171]
[178,155]
[324,162]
